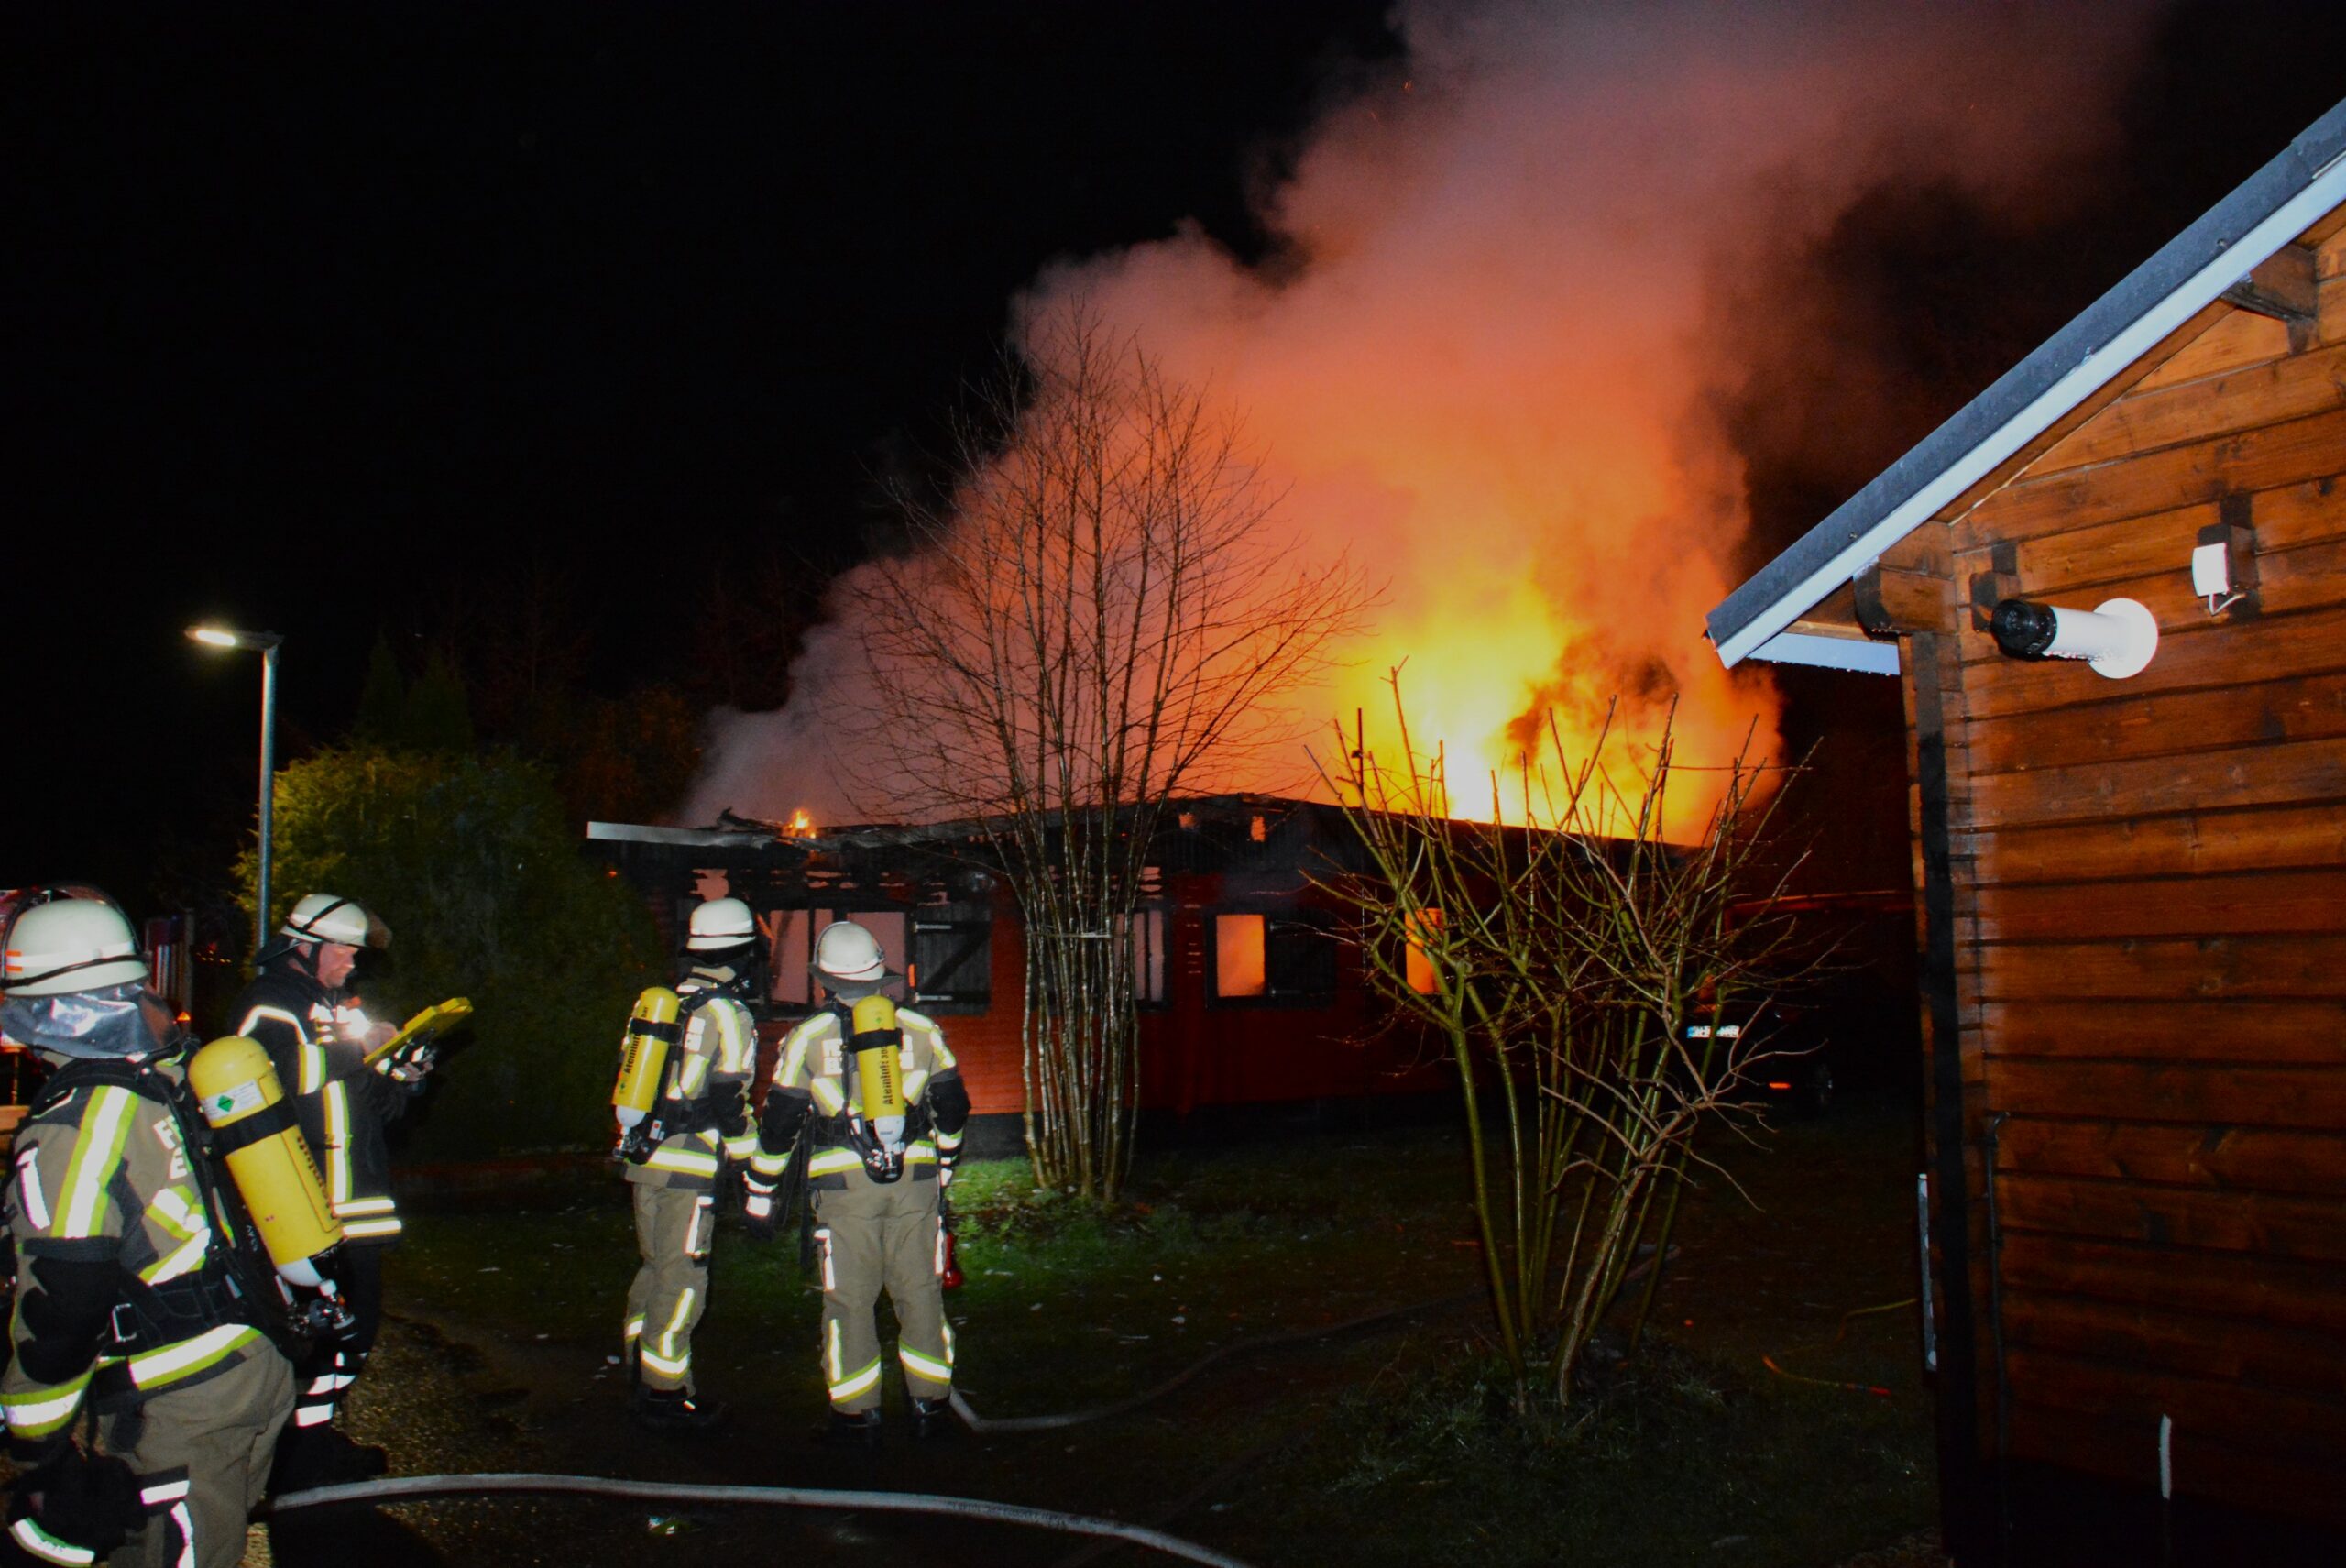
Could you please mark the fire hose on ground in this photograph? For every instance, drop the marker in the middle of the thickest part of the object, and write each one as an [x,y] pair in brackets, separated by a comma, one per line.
[393,1488]
[985,1424]
[399,1487]
[1843,1333]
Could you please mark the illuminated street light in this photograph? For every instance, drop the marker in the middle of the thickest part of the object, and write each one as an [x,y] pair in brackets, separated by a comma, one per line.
[265,644]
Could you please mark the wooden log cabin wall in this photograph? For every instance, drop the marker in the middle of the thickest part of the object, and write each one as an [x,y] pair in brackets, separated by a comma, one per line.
[2145,898]
[2133,902]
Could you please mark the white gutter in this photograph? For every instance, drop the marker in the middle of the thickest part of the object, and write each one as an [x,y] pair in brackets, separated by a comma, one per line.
[2099,367]
[1859,654]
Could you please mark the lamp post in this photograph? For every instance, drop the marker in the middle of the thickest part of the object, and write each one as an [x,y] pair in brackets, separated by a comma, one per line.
[265,644]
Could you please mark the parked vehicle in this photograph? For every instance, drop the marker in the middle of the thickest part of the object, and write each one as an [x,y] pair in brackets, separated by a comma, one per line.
[1791,1064]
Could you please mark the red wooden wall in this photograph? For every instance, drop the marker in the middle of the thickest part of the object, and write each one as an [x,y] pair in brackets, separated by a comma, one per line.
[1196,1053]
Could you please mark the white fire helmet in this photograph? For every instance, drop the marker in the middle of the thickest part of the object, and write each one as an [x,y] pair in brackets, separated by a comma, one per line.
[847,960]
[322,917]
[719,923]
[68,945]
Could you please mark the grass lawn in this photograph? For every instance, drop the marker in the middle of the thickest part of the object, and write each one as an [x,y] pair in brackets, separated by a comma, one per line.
[1387,1445]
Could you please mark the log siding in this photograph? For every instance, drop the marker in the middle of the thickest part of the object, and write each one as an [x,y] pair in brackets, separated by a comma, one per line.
[2135,906]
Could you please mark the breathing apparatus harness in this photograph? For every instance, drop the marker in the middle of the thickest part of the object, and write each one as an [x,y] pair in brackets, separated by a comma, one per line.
[714,1111]
[224,1291]
[875,1122]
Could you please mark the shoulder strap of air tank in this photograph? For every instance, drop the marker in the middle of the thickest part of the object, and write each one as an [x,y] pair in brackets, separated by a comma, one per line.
[141,1078]
[94,1072]
[147,1317]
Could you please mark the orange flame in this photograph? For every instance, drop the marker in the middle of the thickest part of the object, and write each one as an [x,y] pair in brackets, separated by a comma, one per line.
[800,825]
[1479,379]
[1485,354]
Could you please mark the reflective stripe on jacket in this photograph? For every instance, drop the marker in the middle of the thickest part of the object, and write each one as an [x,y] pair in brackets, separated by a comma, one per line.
[106,1204]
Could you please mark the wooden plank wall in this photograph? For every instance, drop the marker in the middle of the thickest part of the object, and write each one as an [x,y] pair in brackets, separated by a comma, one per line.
[2150,923]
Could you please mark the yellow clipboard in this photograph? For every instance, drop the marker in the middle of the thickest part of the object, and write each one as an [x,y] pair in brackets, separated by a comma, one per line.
[436,1019]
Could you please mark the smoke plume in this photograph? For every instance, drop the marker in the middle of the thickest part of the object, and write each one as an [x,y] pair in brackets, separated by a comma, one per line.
[1510,276]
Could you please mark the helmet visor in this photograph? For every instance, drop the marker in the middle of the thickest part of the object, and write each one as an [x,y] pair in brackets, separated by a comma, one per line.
[112,1022]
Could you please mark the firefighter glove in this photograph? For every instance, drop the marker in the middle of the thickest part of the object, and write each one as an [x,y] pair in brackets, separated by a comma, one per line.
[73,1506]
[728,1108]
[757,1209]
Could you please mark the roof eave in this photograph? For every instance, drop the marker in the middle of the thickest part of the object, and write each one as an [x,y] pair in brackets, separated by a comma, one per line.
[2282,200]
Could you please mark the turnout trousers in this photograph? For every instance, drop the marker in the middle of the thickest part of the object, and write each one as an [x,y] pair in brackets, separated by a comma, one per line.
[673,1232]
[201,1456]
[334,1363]
[872,1235]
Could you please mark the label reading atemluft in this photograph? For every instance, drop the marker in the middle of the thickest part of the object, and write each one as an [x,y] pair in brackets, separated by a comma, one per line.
[235,1103]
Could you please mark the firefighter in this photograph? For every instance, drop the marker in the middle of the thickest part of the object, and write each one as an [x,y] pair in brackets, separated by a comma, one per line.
[676,1155]
[875,1186]
[133,1301]
[300,1009]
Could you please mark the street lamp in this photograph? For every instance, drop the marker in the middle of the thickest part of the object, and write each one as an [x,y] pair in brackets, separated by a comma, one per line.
[265,644]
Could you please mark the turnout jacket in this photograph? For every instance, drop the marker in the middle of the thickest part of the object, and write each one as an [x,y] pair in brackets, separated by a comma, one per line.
[127,1278]
[703,1092]
[316,1041]
[814,1075]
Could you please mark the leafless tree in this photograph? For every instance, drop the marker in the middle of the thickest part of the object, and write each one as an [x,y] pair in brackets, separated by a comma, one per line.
[1594,979]
[1101,615]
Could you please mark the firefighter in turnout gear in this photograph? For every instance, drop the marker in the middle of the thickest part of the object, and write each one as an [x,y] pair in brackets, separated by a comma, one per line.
[676,1147]
[134,1303]
[887,1109]
[299,1008]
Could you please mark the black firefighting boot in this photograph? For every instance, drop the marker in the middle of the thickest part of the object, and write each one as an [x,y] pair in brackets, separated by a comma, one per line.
[323,1456]
[933,1419]
[853,1429]
[672,1409]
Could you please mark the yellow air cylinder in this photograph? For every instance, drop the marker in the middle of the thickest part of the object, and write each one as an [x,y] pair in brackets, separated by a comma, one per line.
[643,1053]
[253,1123]
[879,1074]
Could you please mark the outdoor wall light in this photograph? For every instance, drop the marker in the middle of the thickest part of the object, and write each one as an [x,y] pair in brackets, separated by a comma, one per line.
[2117,637]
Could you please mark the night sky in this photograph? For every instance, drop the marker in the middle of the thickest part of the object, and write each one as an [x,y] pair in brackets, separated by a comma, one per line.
[334,321]
[318,321]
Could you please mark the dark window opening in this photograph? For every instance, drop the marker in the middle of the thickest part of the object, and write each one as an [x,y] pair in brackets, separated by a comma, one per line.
[952,958]
[1151,926]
